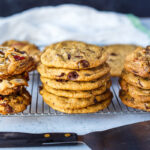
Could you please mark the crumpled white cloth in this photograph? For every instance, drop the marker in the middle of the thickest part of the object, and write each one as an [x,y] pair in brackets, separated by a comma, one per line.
[45,25]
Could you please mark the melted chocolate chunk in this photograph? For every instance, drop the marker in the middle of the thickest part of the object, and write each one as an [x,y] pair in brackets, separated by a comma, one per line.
[61,80]
[69,56]
[61,75]
[113,54]
[21,52]
[134,71]
[72,75]
[83,63]
[8,109]
[140,83]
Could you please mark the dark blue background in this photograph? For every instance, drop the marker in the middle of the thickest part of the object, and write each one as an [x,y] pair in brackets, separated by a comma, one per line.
[138,7]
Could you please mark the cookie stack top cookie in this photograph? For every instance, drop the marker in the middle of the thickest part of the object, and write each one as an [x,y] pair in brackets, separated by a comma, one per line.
[73,55]
[135,79]
[14,68]
[75,75]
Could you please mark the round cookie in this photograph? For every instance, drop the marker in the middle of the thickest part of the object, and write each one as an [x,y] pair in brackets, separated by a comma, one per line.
[117,54]
[135,80]
[12,104]
[13,62]
[79,86]
[29,48]
[130,102]
[73,55]
[78,94]
[12,84]
[90,109]
[75,75]
[135,92]
[139,62]
[74,103]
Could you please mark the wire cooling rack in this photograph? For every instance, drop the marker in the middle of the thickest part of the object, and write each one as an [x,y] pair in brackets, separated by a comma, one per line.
[39,108]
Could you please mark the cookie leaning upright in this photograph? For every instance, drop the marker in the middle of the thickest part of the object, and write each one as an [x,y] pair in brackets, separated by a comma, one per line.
[75,77]
[135,80]
[14,68]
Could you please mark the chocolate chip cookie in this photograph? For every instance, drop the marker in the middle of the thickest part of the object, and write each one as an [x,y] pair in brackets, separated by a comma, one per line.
[73,55]
[139,95]
[74,75]
[74,103]
[89,109]
[139,62]
[71,85]
[29,48]
[13,62]
[13,84]
[117,54]
[135,80]
[12,104]
[130,102]
[78,94]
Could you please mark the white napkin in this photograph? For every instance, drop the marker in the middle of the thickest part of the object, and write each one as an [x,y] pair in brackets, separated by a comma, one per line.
[45,25]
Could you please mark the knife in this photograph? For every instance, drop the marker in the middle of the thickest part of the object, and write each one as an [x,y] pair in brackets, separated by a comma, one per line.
[130,137]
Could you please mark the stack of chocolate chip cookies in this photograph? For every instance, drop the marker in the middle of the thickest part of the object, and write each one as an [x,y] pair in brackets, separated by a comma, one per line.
[75,77]
[135,80]
[14,67]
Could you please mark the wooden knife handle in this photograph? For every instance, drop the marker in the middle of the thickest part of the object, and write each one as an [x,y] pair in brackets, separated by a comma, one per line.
[16,139]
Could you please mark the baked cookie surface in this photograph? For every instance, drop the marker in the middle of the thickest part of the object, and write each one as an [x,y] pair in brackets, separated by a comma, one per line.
[117,54]
[12,104]
[74,103]
[78,94]
[71,85]
[73,55]
[31,49]
[130,101]
[12,84]
[13,62]
[74,75]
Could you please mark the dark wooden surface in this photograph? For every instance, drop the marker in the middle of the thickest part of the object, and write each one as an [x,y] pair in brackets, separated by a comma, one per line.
[138,7]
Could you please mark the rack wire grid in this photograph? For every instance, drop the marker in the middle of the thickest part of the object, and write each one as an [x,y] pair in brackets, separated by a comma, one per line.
[39,108]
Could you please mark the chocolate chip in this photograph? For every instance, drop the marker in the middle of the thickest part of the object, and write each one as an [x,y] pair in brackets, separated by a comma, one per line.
[135,72]
[40,88]
[1,52]
[140,83]
[83,64]
[113,54]
[146,106]
[78,56]
[8,109]
[61,80]
[69,56]
[61,75]
[95,101]
[21,52]
[72,75]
